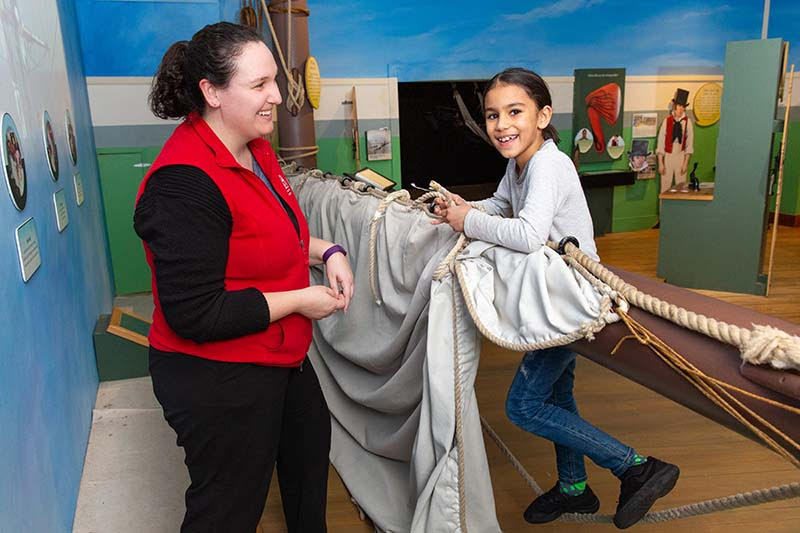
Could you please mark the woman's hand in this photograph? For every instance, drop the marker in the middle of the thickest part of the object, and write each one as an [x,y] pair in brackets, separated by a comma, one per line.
[339,275]
[319,301]
[454,214]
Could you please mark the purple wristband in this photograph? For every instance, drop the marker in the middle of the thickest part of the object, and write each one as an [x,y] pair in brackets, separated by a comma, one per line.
[332,250]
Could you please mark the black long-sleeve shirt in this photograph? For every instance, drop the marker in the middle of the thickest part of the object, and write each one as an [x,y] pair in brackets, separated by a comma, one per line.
[186,223]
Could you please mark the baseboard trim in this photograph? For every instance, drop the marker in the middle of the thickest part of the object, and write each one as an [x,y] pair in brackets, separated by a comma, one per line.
[636,223]
[786,220]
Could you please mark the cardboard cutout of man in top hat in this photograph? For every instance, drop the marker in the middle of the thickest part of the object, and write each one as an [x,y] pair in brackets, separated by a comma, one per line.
[637,156]
[675,143]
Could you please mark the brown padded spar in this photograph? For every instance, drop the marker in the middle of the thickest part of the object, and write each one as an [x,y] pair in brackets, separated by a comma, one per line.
[787,382]
[716,359]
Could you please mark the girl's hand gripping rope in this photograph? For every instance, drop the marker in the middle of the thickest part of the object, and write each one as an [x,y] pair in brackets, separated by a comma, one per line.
[454,213]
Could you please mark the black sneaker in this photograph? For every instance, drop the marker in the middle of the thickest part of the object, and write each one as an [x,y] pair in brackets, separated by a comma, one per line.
[642,485]
[554,503]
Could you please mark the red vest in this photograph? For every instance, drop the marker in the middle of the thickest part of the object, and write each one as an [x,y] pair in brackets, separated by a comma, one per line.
[668,139]
[264,250]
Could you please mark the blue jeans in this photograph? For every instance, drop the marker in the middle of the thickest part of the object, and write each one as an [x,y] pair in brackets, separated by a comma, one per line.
[540,401]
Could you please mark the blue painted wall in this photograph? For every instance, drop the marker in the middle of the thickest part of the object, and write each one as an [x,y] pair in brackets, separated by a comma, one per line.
[48,376]
[128,37]
[419,40]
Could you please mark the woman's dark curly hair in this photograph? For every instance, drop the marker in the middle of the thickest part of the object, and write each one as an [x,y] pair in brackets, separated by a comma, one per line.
[211,55]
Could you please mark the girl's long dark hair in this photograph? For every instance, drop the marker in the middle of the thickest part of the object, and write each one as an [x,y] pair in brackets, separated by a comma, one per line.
[211,54]
[534,85]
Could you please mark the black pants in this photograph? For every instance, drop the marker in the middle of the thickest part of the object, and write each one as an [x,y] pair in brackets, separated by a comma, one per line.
[235,421]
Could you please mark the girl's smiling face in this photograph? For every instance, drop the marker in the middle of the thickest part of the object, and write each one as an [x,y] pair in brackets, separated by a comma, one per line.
[514,122]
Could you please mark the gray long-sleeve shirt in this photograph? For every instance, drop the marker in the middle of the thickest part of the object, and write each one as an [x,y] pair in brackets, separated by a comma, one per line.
[544,203]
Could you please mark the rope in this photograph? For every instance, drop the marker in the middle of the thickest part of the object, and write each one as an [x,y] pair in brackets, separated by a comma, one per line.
[772,494]
[462,506]
[587,330]
[759,345]
[373,225]
[304,179]
[511,458]
[446,266]
[309,151]
[713,389]
[295,90]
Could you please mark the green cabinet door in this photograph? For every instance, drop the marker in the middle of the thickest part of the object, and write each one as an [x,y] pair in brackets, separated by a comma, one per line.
[120,176]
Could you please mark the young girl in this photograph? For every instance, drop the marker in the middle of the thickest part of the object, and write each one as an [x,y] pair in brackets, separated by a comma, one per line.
[541,196]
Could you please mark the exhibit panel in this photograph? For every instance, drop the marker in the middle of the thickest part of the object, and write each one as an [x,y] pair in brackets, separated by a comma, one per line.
[120,175]
[717,244]
[53,265]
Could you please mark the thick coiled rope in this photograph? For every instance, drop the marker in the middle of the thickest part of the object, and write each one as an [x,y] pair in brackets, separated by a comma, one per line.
[762,344]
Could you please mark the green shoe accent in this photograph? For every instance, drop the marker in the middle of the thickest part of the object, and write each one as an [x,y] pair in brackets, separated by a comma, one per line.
[638,459]
[575,489]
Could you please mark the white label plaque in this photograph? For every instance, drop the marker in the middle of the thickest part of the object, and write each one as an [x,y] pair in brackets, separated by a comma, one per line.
[78,187]
[60,205]
[28,249]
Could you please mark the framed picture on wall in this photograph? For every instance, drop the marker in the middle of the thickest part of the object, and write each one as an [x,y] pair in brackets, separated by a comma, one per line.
[379,144]
[50,148]
[14,164]
[644,125]
[73,143]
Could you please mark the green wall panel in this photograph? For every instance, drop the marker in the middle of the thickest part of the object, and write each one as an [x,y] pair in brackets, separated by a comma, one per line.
[790,197]
[336,155]
[121,172]
[790,201]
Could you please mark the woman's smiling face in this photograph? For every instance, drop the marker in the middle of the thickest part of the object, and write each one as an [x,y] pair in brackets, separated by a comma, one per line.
[246,104]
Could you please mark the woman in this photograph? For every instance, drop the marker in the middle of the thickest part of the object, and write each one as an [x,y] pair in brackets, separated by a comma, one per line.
[229,251]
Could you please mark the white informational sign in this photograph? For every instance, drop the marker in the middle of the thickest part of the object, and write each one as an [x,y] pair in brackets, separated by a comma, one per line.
[644,125]
[78,187]
[28,249]
[60,205]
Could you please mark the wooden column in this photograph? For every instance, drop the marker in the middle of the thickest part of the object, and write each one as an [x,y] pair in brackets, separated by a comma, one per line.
[293,130]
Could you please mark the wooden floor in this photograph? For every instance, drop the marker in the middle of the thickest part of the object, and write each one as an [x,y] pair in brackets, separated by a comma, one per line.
[714,461]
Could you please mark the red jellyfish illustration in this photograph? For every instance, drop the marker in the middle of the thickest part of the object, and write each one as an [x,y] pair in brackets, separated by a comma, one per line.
[603,102]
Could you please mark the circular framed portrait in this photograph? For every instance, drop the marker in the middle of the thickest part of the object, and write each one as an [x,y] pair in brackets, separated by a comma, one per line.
[14,163]
[73,143]
[615,147]
[584,140]
[50,148]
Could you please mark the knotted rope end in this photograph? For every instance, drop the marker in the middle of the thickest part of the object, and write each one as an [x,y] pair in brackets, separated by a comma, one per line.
[769,345]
